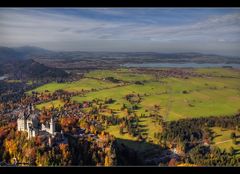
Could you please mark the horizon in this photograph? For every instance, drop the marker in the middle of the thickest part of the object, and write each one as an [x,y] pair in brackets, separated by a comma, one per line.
[56,51]
[161,30]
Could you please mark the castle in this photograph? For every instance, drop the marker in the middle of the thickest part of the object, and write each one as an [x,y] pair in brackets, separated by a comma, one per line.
[28,121]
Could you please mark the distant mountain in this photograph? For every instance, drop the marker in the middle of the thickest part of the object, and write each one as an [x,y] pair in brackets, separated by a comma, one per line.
[33,69]
[23,69]
[26,52]
[19,63]
[7,54]
[29,52]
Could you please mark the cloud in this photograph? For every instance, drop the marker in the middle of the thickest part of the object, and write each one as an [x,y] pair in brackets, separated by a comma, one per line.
[43,27]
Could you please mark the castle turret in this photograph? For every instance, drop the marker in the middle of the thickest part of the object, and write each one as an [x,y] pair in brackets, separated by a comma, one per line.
[21,122]
[29,110]
[50,141]
[52,126]
[32,107]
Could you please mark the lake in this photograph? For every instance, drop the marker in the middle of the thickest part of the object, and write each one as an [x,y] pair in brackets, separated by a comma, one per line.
[179,65]
[3,77]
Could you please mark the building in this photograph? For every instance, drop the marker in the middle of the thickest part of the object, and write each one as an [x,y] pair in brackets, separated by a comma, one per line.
[28,121]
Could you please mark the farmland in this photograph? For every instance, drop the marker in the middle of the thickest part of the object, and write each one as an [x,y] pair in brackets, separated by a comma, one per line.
[83,84]
[177,98]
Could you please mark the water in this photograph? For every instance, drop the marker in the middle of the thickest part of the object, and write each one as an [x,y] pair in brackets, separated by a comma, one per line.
[3,77]
[179,65]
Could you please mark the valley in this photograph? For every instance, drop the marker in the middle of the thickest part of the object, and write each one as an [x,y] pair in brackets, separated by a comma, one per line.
[156,115]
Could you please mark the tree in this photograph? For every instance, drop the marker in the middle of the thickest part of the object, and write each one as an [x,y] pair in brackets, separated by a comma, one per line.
[107,161]
[232,151]
[11,147]
[65,153]
[30,155]
[234,141]
[123,106]
[121,130]
[135,107]
[172,162]
[6,156]
[233,135]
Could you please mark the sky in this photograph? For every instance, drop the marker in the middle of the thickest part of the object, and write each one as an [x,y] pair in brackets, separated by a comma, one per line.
[166,30]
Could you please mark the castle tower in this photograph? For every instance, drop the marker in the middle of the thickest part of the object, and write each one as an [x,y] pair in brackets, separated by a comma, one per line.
[32,107]
[50,141]
[21,122]
[52,126]
[29,133]
[29,109]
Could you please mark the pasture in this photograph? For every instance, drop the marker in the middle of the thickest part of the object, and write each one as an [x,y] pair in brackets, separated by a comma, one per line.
[223,139]
[48,105]
[177,98]
[126,75]
[83,84]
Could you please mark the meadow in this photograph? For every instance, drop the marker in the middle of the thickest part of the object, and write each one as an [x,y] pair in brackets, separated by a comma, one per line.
[123,74]
[223,139]
[51,104]
[83,84]
[177,98]
[215,95]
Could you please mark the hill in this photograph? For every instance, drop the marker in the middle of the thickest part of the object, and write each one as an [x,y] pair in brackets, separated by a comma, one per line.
[25,69]
[20,53]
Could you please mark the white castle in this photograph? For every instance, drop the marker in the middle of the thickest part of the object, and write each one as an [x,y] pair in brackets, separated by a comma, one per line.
[28,121]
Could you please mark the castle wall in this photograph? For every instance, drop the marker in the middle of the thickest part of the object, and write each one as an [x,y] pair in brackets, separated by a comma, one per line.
[21,125]
[31,127]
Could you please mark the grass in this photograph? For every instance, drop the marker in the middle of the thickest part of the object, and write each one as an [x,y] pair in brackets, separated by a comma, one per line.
[120,74]
[130,141]
[206,97]
[224,135]
[114,130]
[224,72]
[83,84]
[203,97]
[48,105]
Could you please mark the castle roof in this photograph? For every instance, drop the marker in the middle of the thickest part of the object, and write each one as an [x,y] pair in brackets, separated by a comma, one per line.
[32,117]
[21,115]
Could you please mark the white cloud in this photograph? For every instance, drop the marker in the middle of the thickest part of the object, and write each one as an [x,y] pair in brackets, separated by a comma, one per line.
[22,27]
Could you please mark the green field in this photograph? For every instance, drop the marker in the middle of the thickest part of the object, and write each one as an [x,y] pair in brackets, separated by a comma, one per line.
[223,141]
[121,74]
[205,97]
[177,98]
[83,84]
[48,105]
[220,72]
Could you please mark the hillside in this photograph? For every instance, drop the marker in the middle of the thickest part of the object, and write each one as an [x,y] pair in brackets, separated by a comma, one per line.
[20,53]
[24,69]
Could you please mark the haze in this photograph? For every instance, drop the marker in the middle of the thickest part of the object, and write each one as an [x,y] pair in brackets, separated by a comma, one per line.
[205,30]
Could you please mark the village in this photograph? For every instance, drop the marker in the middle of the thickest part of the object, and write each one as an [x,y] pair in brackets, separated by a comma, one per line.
[62,129]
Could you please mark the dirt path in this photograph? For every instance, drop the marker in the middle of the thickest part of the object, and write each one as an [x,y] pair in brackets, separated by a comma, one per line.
[220,142]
